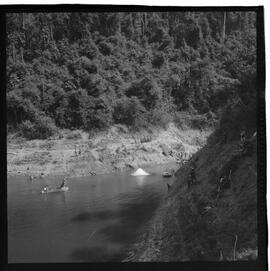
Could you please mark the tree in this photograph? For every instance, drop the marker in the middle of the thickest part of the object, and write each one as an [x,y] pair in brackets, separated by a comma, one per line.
[74,67]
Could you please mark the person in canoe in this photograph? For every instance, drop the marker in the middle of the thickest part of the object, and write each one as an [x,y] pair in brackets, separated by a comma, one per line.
[63,184]
[45,189]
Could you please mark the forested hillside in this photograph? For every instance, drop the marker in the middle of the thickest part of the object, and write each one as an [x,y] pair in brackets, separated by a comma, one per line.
[92,70]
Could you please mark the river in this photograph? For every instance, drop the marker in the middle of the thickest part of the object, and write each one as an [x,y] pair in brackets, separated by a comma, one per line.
[95,221]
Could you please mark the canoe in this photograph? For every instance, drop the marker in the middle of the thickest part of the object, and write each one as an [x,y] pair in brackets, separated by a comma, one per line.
[166,174]
[55,190]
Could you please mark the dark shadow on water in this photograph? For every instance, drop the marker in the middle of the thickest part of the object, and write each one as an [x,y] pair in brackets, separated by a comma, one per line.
[90,216]
[131,217]
[96,254]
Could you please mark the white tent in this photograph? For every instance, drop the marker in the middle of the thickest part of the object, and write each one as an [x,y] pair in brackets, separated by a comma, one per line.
[140,172]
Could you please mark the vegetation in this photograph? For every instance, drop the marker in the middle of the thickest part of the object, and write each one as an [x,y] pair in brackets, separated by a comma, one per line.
[91,70]
[203,222]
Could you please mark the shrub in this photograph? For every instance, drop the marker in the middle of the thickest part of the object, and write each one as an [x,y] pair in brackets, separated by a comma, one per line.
[160,117]
[129,111]
[42,128]
[27,129]
[19,109]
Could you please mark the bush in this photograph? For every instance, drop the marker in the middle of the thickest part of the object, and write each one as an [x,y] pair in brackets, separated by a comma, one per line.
[27,129]
[160,117]
[42,128]
[129,111]
[19,109]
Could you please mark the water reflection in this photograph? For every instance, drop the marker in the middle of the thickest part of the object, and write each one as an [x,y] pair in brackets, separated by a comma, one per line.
[140,180]
[59,227]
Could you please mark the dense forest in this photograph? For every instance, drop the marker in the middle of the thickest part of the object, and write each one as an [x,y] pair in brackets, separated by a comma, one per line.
[92,70]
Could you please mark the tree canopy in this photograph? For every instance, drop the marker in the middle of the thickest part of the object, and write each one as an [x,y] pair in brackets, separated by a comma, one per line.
[90,70]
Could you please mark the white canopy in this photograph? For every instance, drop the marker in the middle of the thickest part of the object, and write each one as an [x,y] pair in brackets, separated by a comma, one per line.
[140,172]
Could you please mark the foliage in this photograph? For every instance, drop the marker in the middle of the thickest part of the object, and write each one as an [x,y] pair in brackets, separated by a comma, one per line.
[146,90]
[84,70]
[42,128]
[129,111]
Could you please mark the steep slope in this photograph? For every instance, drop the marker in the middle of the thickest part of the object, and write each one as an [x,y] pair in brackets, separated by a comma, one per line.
[199,223]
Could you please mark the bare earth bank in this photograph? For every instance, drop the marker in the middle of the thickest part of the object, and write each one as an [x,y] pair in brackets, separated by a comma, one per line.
[111,151]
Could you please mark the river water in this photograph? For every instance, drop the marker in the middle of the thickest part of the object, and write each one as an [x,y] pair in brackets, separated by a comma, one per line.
[95,221]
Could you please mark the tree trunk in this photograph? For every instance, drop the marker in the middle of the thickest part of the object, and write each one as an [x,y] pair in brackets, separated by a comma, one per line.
[145,21]
[51,31]
[13,52]
[119,29]
[42,94]
[22,59]
[23,22]
[224,28]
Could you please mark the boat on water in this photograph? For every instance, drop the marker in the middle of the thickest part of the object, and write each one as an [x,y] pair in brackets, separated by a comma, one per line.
[166,174]
[54,190]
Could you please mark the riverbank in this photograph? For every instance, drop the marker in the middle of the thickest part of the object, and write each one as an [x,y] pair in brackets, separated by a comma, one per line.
[201,223]
[114,150]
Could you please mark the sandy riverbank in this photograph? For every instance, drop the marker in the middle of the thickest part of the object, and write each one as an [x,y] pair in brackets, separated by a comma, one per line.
[114,150]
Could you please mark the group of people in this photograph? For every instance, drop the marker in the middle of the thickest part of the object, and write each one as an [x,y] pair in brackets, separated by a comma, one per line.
[183,158]
[32,177]
[145,138]
[63,184]
[46,187]
[225,180]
